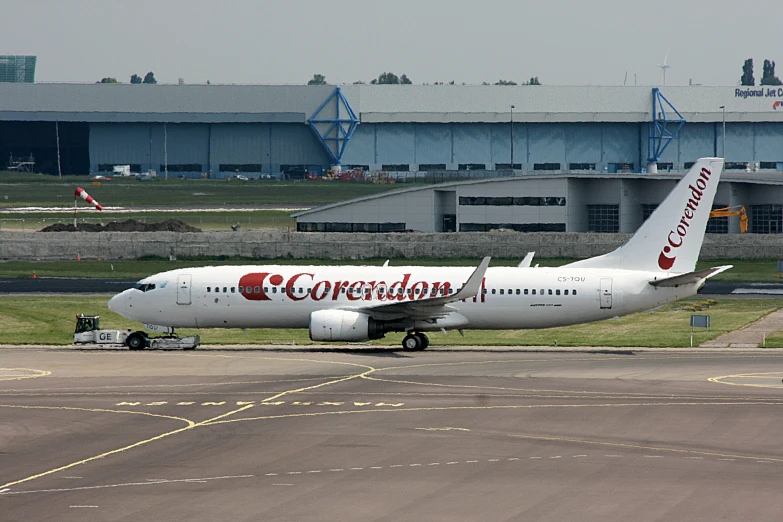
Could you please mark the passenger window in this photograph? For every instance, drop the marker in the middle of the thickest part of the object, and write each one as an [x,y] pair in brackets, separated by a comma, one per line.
[574,292]
[518,291]
[274,289]
[409,291]
[533,291]
[501,291]
[241,289]
[367,291]
[225,289]
[258,289]
[451,290]
[266,289]
[343,290]
[484,291]
[232,290]
[525,291]
[209,289]
[557,292]
[550,291]
[493,291]
[565,292]
[542,291]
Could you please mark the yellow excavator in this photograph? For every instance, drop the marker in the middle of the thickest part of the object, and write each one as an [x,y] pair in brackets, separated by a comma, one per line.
[738,210]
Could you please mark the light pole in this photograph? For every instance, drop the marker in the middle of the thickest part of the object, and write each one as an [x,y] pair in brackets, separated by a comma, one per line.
[512,138]
[723,107]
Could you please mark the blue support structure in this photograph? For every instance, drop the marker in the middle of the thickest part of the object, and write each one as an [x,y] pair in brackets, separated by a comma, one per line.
[660,135]
[334,133]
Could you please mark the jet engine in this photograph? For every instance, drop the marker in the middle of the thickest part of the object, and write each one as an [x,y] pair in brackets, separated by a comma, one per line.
[343,325]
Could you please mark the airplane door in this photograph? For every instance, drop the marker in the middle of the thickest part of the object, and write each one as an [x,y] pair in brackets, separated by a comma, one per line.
[183,289]
[606,292]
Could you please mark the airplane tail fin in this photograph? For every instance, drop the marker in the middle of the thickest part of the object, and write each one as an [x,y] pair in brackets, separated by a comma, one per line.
[671,238]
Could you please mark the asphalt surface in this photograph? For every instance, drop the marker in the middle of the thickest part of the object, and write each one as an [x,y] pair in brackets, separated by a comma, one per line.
[54,285]
[251,434]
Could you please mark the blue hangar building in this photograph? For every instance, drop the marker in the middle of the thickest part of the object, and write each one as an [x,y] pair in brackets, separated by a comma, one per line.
[595,158]
[261,129]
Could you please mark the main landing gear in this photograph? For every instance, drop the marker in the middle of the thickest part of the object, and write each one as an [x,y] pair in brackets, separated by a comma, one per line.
[415,342]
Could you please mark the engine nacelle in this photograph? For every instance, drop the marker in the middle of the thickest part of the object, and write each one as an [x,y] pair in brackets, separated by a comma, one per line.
[343,325]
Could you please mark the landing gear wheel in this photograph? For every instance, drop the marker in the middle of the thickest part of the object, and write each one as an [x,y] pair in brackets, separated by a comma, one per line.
[425,341]
[411,343]
[136,341]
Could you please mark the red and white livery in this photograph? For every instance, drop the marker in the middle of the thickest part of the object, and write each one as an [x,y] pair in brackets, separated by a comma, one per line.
[357,303]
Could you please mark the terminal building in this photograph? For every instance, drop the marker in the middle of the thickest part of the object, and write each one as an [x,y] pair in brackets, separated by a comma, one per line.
[579,158]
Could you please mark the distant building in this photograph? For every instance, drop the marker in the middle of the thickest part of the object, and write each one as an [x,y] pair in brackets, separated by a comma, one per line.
[17,69]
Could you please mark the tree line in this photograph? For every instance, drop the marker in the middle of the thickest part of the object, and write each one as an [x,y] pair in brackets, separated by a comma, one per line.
[767,78]
[149,78]
[389,78]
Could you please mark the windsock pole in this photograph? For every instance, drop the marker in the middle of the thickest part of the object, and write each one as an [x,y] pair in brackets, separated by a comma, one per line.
[81,193]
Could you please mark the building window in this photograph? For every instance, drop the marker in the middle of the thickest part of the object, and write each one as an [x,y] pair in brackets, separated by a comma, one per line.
[109,167]
[516,227]
[647,210]
[689,164]
[603,218]
[472,166]
[736,165]
[665,166]
[238,167]
[766,219]
[769,165]
[546,166]
[432,166]
[532,201]
[507,166]
[182,167]
[718,225]
[581,166]
[304,226]
[396,167]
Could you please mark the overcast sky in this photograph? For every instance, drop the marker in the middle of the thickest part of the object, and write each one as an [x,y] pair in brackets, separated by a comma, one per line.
[565,42]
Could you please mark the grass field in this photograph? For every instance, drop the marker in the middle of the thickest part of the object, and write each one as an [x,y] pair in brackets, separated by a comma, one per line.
[50,320]
[247,220]
[744,270]
[178,193]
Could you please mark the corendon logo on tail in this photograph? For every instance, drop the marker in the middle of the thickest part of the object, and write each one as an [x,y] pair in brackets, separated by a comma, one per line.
[676,237]
[252,288]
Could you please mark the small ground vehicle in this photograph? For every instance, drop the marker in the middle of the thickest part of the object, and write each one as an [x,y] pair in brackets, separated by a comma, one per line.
[88,331]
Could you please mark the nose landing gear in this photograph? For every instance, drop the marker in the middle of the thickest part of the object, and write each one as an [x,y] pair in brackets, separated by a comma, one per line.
[415,341]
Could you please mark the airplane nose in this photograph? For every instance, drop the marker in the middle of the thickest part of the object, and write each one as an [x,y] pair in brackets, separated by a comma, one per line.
[117,304]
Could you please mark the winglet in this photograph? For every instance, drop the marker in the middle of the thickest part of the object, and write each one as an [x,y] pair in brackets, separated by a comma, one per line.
[473,284]
[527,260]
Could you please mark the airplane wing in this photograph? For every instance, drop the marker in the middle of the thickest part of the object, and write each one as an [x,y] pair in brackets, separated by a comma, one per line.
[429,307]
[690,277]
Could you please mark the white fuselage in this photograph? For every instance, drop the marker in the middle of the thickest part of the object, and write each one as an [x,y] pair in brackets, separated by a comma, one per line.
[285,296]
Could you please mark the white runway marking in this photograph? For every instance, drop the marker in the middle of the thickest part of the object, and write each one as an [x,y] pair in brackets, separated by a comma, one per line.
[83,506]
[126,484]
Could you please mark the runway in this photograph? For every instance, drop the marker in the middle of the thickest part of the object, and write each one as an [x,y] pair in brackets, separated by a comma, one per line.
[251,434]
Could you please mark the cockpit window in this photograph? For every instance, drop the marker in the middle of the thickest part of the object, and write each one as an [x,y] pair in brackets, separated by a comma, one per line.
[144,287]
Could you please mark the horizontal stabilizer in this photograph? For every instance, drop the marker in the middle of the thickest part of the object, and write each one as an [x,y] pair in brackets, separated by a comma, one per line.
[690,277]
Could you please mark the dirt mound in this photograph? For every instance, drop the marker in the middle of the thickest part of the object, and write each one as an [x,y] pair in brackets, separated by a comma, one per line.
[131,225]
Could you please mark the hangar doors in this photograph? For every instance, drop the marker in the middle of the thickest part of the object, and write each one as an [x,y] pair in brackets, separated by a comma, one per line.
[445,208]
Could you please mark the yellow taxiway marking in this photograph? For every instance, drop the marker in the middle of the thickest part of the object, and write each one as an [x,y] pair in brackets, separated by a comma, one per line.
[727,379]
[21,373]
[643,447]
[190,424]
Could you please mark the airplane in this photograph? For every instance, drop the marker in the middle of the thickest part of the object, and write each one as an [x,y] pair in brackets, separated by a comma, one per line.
[359,303]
